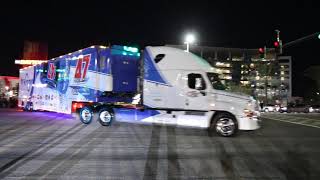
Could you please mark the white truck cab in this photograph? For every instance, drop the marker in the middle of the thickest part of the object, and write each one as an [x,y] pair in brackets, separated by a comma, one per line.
[184,83]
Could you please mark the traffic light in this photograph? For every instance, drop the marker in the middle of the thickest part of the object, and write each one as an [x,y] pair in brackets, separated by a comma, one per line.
[278,43]
[278,46]
[262,52]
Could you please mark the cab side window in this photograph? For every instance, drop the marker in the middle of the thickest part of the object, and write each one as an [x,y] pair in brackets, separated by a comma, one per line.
[196,81]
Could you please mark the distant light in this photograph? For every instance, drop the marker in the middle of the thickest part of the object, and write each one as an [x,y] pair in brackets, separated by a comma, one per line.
[261,50]
[103,47]
[319,36]
[190,38]
[130,49]
[276,44]
[28,62]
[7,88]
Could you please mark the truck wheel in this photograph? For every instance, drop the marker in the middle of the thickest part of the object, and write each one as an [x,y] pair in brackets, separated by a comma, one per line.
[224,124]
[106,116]
[86,115]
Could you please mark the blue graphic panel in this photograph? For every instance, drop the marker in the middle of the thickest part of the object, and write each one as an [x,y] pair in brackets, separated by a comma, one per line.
[151,72]
[62,73]
[133,115]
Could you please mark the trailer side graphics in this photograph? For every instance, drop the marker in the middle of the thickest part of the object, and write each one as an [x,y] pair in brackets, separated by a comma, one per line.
[82,68]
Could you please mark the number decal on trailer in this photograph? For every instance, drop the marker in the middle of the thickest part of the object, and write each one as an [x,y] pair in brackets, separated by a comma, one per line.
[51,71]
[82,68]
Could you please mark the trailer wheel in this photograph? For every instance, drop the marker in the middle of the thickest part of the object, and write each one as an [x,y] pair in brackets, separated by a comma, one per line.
[224,124]
[106,116]
[86,115]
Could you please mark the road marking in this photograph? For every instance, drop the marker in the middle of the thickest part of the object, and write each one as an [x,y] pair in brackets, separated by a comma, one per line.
[303,117]
[292,122]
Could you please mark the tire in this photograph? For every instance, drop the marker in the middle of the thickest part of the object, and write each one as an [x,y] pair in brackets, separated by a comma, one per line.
[224,124]
[105,116]
[86,115]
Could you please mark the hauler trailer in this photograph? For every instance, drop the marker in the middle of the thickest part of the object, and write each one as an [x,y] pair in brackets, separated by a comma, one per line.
[161,85]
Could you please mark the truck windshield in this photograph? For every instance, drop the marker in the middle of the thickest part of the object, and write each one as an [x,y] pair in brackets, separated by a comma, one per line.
[215,81]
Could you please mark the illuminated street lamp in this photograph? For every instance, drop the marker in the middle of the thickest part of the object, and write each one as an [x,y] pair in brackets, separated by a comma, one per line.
[189,39]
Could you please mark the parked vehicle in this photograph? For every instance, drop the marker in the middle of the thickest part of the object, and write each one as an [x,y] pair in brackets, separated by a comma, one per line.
[282,109]
[269,108]
[298,108]
[165,86]
[314,109]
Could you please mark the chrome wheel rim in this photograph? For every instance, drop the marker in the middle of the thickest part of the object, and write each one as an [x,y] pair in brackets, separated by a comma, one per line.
[86,115]
[225,126]
[105,116]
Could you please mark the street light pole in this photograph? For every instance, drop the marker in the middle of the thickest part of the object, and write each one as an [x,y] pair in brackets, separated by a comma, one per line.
[187,46]
[189,39]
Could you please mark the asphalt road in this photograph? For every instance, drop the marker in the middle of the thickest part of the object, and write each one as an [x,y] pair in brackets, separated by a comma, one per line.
[56,146]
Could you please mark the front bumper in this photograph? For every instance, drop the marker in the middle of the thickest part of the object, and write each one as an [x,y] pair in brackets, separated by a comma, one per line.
[249,123]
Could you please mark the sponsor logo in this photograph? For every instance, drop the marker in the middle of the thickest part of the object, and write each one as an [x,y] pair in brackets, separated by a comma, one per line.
[51,71]
[82,68]
[192,94]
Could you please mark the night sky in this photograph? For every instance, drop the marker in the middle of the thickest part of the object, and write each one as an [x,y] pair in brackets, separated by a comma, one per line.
[72,26]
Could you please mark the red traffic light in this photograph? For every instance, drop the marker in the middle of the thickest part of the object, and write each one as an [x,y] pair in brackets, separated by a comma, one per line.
[261,50]
[276,44]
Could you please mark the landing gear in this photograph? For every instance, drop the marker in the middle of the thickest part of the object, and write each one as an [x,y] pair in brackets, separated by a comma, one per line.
[28,107]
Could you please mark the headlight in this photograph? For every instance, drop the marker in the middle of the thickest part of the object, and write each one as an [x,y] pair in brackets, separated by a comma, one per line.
[250,113]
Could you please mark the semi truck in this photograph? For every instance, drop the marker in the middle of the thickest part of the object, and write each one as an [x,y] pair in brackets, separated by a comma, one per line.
[157,85]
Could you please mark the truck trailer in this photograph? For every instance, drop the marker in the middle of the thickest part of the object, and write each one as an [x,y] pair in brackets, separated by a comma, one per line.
[161,85]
